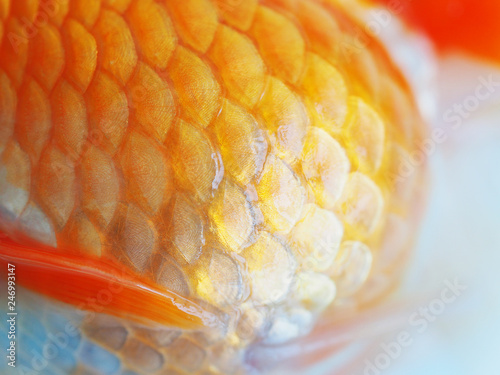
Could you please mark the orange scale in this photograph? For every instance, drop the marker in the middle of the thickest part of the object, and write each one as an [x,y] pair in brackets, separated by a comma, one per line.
[152,102]
[85,11]
[100,186]
[281,44]
[108,112]
[195,20]
[27,9]
[239,64]
[119,6]
[34,121]
[152,28]
[69,115]
[238,14]
[81,54]
[47,55]
[8,103]
[116,46]
[14,50]
[198,91]
[15,185]
[147,172]
[56,185]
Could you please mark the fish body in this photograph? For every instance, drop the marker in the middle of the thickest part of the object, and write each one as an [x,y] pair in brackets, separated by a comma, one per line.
[240,169]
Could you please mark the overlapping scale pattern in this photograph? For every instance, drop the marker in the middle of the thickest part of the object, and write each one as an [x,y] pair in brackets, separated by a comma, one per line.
[239,153]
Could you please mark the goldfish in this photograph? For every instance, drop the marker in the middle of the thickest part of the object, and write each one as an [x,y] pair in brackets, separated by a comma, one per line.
[184,184]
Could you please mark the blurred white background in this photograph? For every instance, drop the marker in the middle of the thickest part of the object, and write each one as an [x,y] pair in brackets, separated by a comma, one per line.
[460,237]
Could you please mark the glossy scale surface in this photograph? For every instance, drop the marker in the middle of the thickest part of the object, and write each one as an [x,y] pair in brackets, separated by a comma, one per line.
[256,156]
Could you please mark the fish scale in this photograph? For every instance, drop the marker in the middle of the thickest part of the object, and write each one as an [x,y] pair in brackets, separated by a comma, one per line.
[224,150]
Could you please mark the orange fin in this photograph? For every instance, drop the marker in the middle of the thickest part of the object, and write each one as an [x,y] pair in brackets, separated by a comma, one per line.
[468,25]
[99,286]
